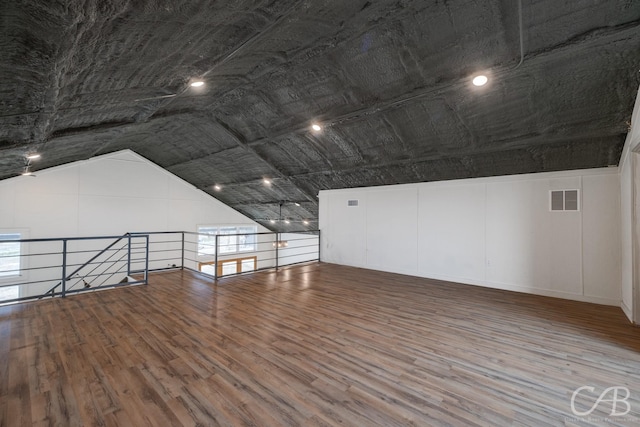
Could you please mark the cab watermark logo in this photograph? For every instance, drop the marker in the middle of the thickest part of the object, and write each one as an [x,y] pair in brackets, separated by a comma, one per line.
[617,398]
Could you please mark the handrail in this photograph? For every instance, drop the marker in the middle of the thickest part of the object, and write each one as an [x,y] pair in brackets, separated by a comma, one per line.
[68,277]
[135,253]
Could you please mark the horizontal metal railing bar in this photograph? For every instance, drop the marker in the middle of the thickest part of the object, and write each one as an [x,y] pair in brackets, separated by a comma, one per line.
[157,269]
[298,247]
[30,255]
[300,262]
[33,282]
[140,234]
[68,252]
[262,233]
[270,249]
[223,257]
[68,239]
[34,268]
[164,241]
[295,255]
[164,250]
[58,266]
[298,239]
[162,259]
[150,233]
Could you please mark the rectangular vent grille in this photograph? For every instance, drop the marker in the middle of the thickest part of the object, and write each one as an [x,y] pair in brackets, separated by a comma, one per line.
[352,203]
[564,200]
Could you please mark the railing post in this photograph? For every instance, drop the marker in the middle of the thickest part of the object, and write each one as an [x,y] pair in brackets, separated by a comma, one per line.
[182,259]
[277,247]
[215,274]
[64,268]
[319,245]
[146,261]
[128,254]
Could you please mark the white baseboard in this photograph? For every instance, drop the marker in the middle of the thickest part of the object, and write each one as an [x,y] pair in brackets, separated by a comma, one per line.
[502,286]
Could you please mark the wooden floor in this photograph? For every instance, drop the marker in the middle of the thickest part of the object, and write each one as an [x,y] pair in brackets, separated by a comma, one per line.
[312,345]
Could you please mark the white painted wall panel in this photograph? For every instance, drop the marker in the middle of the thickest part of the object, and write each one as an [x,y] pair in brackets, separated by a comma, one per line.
[111,194]
[46,215]
[7,205]
[517,234]
[345,227]
[626,232]
[123,178]
[392,221]
[600,248]
[451,241]
[116,215]
[497,232]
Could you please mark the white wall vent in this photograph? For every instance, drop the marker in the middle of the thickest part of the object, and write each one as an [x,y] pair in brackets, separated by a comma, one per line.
[564,200]
[352,203]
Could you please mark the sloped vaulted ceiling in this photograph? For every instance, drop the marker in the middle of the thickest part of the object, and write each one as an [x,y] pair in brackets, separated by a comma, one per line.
[389,81]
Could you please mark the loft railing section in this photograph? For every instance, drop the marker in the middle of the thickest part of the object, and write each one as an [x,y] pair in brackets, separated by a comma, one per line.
[62,266]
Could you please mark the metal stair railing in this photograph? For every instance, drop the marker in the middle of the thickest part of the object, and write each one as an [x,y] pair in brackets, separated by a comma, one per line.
[66,278]
[50,267]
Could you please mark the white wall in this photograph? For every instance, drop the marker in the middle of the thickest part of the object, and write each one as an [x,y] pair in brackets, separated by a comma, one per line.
[110,194]
[630,219]
[496,232]
[107,195]
[627,172]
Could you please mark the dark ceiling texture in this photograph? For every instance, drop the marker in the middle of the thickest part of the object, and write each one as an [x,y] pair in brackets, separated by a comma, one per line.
[388,81]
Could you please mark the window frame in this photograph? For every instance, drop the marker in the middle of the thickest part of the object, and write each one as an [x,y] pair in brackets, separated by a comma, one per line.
[232,235]
[21,274]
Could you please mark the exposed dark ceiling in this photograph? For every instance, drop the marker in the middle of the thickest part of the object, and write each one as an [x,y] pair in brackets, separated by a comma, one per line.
[388,80]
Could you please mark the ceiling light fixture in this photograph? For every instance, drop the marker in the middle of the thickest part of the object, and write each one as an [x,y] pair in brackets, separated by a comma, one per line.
[305,222]
[286,221]
[27,171]
[280,244]
[296,203]
[480,80]
[316,127]
[272,221]
[32,156]
[217,187]
[266,181]
[197,83]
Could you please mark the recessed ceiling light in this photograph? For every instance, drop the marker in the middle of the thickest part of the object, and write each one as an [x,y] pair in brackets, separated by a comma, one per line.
[197,83]
[217,187]
[286,221]
[33,156]
[296,203]
[316,127]
[266,181]
[272,221]
[305,222]
[480,80]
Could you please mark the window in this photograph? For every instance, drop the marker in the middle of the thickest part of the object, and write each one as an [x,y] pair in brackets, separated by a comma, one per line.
[564,200]
[233,239]
[10,264]
[229,266]
[9,255]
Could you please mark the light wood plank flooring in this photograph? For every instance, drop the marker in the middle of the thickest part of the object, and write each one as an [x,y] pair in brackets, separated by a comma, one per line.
[312,345]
